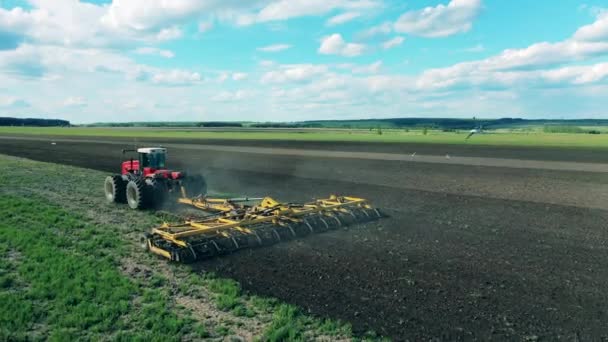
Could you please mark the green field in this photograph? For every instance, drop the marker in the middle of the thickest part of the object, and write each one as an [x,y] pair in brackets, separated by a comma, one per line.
[531,137]
[71,269]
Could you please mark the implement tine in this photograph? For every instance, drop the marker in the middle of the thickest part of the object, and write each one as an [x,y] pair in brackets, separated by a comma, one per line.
[309,226]
[337,220]
[236,244]
[291,230]
[258,237]
[365,212]
[377,212]
[277,234]
[217,248]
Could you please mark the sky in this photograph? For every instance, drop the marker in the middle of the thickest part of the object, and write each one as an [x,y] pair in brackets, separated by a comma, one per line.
[295,60]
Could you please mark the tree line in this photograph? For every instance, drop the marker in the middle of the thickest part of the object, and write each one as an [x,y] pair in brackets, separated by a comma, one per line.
[5,121]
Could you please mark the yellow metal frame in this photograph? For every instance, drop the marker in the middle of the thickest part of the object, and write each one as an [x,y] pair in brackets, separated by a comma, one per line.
[216,204]
[266,211]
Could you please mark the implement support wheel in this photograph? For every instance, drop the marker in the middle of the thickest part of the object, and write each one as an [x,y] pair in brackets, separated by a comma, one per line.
[143,241]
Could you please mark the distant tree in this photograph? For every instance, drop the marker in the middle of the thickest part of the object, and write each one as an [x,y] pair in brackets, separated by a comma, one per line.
[425,131]
[33,122]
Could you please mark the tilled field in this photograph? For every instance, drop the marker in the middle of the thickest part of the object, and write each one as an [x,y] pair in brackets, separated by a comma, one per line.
[468,253]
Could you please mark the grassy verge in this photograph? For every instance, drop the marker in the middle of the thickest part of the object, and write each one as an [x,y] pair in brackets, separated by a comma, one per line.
[70,269]
[532,138]
[60,279]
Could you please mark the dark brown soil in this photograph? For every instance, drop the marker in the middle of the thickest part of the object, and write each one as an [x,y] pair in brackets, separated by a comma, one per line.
[598,155]
[469,253]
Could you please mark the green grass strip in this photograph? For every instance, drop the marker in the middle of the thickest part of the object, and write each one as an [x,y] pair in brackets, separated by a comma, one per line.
[60,280]
[533,138]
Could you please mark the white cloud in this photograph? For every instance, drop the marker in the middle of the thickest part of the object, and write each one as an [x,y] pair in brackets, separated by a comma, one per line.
[440,21]
[42,62]
[382,29]
[131,104]
[267,63]
[25,61]
[204,26]
[222,77]
[274,48]
[239,76]
[293,73]
[155,51]
[391,43]
[235,76]
[62,22]
[75,24]
[11,102]
[227,96]
[153,15]
[13,24]
[519,65]
[577,75]
[150,15]
[176,77]
[594,32]
[342,18]
[373,68]
[169,33]
[542,54]
[285,9]
[335,45]
[475,49]
[74,101]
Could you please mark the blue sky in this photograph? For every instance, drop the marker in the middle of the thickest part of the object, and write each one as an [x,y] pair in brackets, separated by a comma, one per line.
[292,60]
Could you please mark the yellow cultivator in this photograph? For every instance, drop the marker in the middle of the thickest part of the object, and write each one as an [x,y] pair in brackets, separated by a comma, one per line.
[236,225]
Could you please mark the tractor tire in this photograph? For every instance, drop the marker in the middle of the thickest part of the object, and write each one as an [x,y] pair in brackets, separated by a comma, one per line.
[195,185]
[115,189]
[158,193]
[136,194]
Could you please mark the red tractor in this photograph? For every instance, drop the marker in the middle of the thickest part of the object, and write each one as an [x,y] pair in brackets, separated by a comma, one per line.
[146,183]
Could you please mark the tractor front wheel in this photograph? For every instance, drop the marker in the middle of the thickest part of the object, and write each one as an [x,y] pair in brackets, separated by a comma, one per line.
[135,194]
[115,189]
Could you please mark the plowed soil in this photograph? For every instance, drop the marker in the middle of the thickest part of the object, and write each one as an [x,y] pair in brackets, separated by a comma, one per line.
[468,253]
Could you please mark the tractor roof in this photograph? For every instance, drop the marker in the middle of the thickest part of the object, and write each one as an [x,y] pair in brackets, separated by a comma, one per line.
[152,150]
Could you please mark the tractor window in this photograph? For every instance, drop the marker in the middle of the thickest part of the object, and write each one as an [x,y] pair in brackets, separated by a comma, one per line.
[144,161]
[153,160]
[156,160]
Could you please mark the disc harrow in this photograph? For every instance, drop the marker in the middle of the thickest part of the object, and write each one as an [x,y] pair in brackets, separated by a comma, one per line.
[248,226]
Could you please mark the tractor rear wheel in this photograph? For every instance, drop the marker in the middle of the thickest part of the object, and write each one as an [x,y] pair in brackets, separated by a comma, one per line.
[195,185]
[135,194]
[115,189]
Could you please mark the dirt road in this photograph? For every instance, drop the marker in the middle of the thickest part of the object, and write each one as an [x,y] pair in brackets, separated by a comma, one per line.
[470,252]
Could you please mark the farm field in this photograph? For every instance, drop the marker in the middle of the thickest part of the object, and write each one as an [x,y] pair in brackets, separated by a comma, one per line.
[534,138]
[469,252]
[71,269]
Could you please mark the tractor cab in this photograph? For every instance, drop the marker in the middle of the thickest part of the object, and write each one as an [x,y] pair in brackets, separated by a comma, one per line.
[150,160]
